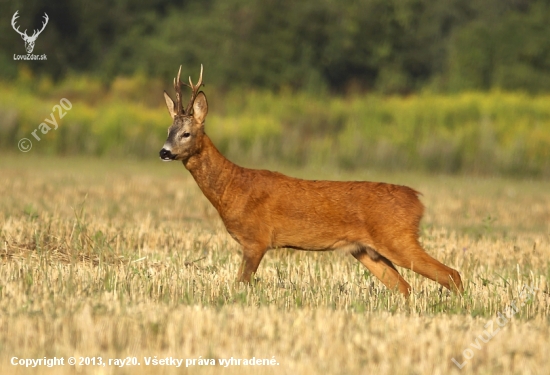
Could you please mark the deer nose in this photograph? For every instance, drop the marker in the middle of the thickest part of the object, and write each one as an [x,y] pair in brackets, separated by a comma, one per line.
[166,154]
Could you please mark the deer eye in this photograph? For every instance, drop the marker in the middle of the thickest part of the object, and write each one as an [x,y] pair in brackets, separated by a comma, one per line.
[185,135]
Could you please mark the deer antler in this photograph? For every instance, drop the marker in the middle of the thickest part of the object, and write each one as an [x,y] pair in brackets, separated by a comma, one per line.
[15,16]
[194,93]
[43,26]
[177,87]
[24,34]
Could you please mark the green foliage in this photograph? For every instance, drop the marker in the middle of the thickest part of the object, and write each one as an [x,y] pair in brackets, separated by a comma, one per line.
[511,53]
[391,46]
[482,133]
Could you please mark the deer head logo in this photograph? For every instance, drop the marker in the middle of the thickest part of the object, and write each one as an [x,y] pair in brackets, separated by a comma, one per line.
[29,40]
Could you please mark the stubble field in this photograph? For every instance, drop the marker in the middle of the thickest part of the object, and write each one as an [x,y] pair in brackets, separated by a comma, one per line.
[117,259]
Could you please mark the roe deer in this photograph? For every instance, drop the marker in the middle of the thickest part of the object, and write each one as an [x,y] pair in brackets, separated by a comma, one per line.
[377,223]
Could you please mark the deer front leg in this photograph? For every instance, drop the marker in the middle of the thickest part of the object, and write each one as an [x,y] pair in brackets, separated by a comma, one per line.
[251,260]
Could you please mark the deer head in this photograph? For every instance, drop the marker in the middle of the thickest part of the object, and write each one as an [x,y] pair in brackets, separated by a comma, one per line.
[185,135]
[29,40]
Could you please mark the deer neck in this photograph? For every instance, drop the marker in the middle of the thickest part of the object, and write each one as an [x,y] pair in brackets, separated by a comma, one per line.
[212,171]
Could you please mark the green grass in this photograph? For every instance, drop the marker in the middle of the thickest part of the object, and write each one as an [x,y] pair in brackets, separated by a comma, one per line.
[117,258]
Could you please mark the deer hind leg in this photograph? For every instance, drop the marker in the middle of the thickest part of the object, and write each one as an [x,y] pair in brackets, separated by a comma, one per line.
[416,259]
[251,260]
[384,270]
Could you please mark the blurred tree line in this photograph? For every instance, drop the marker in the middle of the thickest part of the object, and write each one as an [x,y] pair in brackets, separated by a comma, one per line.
[389,46]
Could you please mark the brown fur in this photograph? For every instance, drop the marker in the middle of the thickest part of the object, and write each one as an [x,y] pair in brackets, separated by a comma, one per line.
[262,210]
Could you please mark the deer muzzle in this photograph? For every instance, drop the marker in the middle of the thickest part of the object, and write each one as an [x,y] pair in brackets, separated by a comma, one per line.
[166,155]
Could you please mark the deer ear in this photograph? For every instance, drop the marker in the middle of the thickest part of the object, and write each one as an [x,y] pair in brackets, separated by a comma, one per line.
[200,108]
[170,104]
